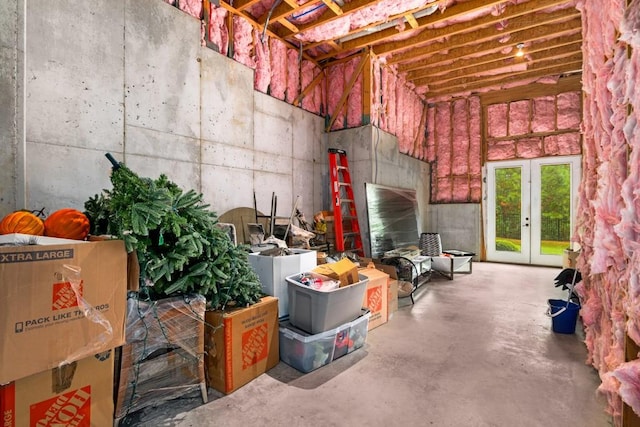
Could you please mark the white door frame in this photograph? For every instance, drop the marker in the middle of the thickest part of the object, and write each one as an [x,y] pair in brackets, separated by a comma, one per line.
[530,209]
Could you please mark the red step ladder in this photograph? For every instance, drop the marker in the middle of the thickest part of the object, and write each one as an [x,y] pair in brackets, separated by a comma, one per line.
[345,217]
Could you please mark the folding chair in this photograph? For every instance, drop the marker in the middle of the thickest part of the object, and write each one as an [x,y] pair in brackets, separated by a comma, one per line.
[447,262]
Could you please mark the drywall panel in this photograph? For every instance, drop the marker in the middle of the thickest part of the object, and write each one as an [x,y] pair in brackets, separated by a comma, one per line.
[162,68]
[62,176]
[75,75]
[226,100]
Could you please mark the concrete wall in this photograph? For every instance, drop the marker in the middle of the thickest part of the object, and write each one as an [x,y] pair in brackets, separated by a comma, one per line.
[459,225]
[130,77]
[373,157]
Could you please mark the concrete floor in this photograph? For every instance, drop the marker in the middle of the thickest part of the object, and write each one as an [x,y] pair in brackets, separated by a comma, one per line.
[475,351]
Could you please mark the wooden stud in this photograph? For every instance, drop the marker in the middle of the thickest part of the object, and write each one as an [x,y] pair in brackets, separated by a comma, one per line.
[347,90]
[367,75]
[317,79]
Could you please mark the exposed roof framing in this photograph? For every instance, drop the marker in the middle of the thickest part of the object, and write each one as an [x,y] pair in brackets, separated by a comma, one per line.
[444,47]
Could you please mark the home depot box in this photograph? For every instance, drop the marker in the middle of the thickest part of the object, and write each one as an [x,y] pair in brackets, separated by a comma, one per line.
[241,344]
[77,394]
[59,302]
[376,296]
[273,270]
[344,270]
[392,297]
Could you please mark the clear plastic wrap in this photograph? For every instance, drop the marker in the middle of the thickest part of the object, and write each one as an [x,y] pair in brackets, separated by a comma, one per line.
[164,355]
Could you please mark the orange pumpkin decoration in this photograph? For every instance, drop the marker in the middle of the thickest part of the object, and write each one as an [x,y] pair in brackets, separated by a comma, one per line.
[67,223]
[22,222]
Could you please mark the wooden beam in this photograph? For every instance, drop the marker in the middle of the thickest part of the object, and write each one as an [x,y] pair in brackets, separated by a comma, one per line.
[459,46]
[367,77]
[333,6]
[243,4]
[521,20]
[411,20]
[347,90]
[490,62]
[565,84]
[316,80]
[491,74]
[474,84]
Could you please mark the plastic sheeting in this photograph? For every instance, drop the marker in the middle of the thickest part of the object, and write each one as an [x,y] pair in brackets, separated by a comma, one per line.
[608,224]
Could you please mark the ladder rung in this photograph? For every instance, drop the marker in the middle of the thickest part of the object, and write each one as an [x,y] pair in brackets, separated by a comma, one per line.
[346,200]
[342,167]
[344,184]
[350,233]
[349,217]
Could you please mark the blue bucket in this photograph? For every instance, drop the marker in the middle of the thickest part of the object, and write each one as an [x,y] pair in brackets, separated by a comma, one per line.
[563,316]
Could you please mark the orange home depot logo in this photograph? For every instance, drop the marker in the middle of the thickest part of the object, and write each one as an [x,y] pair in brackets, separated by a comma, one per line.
[69,409]
[63,296]
[374,299]
[254,345]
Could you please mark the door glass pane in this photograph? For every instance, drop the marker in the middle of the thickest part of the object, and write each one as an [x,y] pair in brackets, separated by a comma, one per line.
[508,209]
[555,208]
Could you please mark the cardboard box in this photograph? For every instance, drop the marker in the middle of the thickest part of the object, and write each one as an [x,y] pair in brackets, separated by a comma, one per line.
[376,296]
[273,271]
[51,314]
[78,394]
[569,258]
[392,303]
[241,344]
[344,270]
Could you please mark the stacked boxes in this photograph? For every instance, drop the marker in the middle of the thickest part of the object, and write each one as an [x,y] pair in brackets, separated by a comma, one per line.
[324,325]
[62,309]
[376,296]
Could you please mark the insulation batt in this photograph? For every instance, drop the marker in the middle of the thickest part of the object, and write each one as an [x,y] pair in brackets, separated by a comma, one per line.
[263,65]
[608,201]
[519,117]
[243,42]
[293,76]
[354,102]
[218,33]
[192,7]
[336,83]
[544,114]
[278,61]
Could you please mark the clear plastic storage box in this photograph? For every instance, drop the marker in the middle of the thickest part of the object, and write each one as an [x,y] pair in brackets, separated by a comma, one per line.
[307,352]
[314,311]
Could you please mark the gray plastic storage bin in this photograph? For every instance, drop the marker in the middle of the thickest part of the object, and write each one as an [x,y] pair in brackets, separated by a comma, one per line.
[307,352]
[316,311]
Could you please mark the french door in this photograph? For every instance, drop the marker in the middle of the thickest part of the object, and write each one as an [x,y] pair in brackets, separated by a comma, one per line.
[530,209]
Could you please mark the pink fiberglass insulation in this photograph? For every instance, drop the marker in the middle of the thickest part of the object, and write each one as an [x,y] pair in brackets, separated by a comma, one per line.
[243,42]
[497,120]
[376,105]
[192,7]
[293,76]
[313,100]
[218,33]
[569,110]
[354,102]
[564,144]
[262,76]
[278,61]
[608,225]
[460,138]
[460,189]
[308,14]
[443,140]
[544,114]
[390,102]
[501,150]
[519,118]
[443,189]
[529,148]
[431,127]
[335,87]
[628,375]
[475,138]
[380,12]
